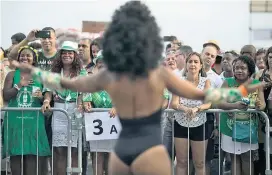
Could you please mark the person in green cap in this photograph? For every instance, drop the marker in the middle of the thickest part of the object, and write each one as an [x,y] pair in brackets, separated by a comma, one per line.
[69,65]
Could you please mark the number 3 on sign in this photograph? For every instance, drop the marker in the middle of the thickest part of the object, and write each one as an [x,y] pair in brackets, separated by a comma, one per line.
[99,126]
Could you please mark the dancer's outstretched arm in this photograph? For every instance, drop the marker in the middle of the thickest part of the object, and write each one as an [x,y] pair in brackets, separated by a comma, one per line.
[186,89]
[90,83]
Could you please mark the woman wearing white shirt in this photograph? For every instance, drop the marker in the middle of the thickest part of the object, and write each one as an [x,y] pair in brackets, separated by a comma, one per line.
[191,124]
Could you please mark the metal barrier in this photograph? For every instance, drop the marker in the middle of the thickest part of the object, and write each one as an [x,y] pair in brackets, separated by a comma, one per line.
[267,134]
[79,127]
[78,118]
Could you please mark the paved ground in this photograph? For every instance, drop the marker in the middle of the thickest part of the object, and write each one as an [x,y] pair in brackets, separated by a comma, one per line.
[90,171]
[214,169]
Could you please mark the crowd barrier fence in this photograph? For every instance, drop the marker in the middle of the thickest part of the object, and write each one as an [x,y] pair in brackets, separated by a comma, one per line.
[79,127]
[267,126]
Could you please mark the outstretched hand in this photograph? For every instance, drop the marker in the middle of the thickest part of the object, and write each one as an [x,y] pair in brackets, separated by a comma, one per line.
[22,66]
[216,96]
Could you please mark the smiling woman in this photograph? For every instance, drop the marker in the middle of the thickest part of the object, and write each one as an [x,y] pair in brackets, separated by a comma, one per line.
[68,64]
[26,134]
[67,58]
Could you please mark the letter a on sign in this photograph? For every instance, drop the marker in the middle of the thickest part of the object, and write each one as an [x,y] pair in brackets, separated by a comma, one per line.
[113,129]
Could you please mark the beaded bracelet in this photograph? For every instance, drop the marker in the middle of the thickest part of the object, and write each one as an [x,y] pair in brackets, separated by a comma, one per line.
[216,96]
[50,80]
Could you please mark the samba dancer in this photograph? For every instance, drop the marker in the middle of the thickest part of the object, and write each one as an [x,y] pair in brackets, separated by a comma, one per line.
[132,48]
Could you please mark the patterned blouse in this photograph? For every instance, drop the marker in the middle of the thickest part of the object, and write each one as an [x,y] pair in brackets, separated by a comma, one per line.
[200,117]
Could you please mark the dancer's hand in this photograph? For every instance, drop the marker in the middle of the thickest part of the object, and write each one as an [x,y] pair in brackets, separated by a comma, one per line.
[23,67]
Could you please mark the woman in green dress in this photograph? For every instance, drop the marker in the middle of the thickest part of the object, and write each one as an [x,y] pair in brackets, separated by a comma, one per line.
[242,152]
[24,136]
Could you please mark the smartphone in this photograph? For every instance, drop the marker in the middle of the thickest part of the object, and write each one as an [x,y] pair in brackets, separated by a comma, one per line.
[43,34]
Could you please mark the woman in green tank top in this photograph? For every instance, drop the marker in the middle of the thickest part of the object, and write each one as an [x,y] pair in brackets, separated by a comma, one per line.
[244,68]
[23,131]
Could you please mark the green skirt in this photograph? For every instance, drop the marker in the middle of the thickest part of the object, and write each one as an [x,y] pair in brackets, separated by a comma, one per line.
[24,134]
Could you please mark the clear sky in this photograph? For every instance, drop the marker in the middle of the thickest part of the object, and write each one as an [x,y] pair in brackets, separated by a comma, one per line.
[194,21]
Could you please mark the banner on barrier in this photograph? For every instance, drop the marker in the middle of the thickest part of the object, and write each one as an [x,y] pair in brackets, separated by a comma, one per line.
[99,126]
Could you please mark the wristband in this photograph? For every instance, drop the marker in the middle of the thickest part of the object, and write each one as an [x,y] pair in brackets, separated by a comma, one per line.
[50,80]
[219,95]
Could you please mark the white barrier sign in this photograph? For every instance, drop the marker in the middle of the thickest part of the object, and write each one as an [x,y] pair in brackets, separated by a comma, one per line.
[99,126]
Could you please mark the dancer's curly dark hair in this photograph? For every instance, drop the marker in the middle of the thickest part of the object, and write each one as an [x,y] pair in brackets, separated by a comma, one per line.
[57,64]
[248,61]
[132,42]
